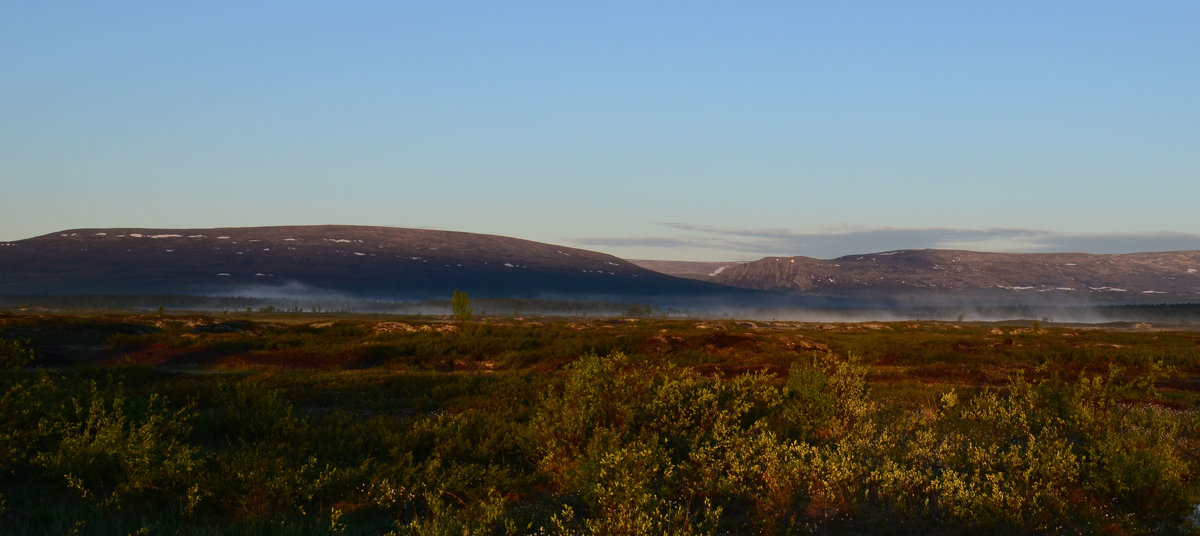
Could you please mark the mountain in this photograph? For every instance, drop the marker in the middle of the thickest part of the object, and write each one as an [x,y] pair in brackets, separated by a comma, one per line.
[400,264]
[701,271]
[1137,274]
[374,262]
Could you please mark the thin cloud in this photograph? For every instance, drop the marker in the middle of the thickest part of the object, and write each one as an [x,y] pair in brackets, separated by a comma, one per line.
[648,242]
[836,242]
[1124,243]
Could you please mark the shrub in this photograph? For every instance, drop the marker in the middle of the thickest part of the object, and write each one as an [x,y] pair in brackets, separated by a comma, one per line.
[825,397]
[648,448]
[15,353]
[23,407]
[447,514]
[109,452]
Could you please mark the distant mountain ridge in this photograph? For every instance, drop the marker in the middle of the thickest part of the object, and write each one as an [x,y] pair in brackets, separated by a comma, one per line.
[1174,273]
[379,262]
[399,264]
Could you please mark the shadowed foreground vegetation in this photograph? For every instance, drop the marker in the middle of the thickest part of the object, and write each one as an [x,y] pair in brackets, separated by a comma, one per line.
[157,424]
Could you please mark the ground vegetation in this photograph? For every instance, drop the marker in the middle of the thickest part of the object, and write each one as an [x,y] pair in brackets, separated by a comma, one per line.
[275,423]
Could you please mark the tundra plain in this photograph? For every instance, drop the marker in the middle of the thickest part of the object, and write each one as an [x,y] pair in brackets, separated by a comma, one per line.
[310,423]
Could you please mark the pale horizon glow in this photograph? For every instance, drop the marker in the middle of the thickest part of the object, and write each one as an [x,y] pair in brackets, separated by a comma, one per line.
[704,131]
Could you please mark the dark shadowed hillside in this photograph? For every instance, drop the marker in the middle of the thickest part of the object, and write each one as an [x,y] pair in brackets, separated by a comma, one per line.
[381,262]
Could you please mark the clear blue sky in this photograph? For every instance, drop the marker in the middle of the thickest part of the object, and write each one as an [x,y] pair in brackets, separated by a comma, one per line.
[684,130]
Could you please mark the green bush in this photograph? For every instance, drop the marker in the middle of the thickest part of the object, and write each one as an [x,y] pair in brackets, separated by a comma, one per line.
[446,514]
[658,448]
[110,452]
[25,405]
[15,353]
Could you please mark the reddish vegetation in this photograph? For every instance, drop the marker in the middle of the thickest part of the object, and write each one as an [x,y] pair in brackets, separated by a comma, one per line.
[294,359]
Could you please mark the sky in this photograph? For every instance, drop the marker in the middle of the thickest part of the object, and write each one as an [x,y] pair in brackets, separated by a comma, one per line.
[653,130]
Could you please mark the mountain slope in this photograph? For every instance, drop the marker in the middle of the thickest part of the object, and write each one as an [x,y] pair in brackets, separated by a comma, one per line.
[366,261]
[700,271]
[1173,273]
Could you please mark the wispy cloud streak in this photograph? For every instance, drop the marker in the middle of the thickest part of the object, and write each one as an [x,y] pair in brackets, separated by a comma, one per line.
[835,242]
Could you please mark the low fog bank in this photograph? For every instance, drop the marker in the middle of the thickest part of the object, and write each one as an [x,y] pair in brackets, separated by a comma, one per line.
[314,305]
[971,306]
[1172,314]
